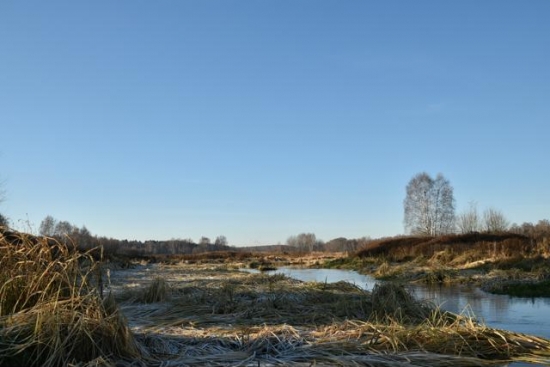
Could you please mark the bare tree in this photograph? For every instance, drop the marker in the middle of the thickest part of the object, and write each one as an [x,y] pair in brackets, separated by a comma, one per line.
[63,229]
[469,221]
[417,203]
[204,241]
[336,244]
[429,206]
[47,226]
[221,241]
[304,241]
[292,241]
[494,221]
[85,239]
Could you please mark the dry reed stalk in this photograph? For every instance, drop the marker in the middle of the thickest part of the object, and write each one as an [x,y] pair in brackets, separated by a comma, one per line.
[65,332]
[51,313]
[37,269]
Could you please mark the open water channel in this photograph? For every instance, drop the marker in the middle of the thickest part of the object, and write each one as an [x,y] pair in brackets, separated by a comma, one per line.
[524,315]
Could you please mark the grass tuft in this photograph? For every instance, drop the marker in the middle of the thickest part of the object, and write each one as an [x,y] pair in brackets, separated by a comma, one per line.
[391,301]
[51,311]
[157,291]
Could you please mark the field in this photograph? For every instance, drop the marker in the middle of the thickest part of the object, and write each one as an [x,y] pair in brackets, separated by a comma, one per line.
[60,307]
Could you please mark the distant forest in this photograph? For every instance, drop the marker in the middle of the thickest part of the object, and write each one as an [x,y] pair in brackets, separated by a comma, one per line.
[83,239]
[429,211]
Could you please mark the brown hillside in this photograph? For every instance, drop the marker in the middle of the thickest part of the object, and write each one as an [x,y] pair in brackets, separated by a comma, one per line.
[403,248]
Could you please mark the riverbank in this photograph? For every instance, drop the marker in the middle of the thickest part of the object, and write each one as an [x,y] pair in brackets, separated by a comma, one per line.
[515,276]
[504,263]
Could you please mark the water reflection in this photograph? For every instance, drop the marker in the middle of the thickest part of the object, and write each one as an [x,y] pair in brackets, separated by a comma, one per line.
[328,275]
[525,315]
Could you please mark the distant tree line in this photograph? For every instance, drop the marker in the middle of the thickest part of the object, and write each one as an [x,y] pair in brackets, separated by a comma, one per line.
[429,210]
[307,242]
[491,221]
[539,231]
[66,232]
[84,240]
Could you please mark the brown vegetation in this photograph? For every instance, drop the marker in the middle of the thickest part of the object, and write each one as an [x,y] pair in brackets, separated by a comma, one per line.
[484,244]
[218,317]
[494,261]
[51,312]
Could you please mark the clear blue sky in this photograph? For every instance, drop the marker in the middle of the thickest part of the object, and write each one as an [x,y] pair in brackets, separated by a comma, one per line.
[258,120]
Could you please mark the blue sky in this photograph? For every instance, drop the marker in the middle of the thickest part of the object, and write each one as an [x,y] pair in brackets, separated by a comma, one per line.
[259,120]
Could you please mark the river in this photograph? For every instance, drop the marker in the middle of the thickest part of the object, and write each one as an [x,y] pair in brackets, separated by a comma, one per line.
[524,315]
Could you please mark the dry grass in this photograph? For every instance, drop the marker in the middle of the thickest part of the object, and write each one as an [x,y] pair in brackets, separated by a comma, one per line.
[51,312]
[393,302]
[478,246]
[225,318]
[64,332]
[157,291]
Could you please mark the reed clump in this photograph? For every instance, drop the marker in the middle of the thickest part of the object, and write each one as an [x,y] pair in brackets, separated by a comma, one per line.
[391,301]
[157,291]
[51,310]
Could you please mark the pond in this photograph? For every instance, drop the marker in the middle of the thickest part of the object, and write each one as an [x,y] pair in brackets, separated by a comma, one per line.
[524,315]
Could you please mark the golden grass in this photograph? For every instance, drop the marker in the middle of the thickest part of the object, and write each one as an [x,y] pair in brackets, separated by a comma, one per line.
[51,312]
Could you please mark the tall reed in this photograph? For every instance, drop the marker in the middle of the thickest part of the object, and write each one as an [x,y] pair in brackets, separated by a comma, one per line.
[51,310]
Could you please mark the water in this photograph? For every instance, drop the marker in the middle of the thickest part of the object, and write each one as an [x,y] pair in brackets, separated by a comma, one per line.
[327,275]
[525,315]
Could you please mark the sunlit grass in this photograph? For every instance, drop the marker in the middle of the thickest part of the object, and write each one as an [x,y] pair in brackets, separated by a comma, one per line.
[51,311]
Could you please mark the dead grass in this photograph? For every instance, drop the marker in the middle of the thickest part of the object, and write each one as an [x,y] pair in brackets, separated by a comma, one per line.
[187,315]
[51,312]
[447,248]
[232,318]
[392,302]
[157,291]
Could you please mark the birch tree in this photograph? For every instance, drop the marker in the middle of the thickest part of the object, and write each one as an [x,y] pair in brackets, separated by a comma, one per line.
[429,206]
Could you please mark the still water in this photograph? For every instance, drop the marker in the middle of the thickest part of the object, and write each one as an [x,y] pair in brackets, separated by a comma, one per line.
[524,315]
